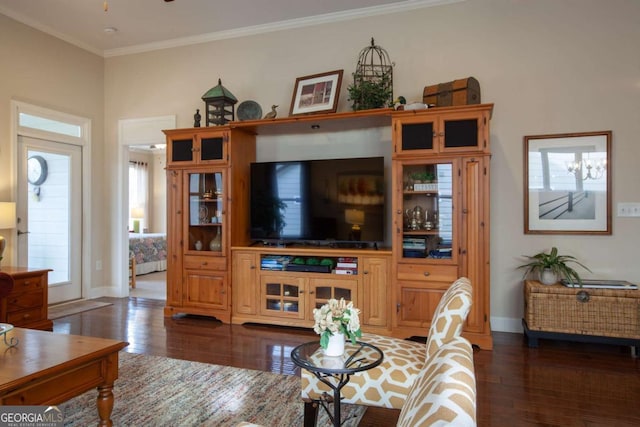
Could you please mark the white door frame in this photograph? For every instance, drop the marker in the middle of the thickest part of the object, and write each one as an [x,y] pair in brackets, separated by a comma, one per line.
[143,131]
[84,140]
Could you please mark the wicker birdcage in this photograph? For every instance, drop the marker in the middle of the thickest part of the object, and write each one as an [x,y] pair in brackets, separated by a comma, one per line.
[373,79]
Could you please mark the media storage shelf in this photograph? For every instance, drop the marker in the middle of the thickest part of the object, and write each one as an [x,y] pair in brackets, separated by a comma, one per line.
[310,264]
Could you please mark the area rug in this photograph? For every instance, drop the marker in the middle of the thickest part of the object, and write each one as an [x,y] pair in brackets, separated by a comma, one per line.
[159,391]
[75,307]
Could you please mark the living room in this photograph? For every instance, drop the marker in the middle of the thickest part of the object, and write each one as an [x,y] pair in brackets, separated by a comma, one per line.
[549,67]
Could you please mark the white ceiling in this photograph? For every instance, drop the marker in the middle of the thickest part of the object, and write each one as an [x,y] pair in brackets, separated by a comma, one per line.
[144,25]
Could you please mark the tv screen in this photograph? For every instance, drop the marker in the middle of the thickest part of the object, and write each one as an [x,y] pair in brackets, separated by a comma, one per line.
[318,201]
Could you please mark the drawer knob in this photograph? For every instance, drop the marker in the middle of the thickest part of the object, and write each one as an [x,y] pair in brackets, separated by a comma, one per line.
[583,296]
[426,273]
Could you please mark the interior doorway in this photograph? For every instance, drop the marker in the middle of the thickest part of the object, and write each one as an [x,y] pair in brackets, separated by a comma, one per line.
[144,219]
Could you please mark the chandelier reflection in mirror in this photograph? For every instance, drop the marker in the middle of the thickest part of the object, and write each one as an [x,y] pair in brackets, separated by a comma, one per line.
[588,168]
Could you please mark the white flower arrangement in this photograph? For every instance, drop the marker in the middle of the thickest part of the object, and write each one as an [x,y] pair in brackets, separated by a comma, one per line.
[337,317]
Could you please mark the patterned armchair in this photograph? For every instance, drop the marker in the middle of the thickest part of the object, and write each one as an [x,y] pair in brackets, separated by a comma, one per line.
[444,393]
[389,384]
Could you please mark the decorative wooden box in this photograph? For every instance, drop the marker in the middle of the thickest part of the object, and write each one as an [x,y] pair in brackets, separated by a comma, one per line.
[604,315]
[456,92]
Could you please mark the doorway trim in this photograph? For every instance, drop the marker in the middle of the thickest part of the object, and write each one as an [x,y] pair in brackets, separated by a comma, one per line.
[132,132]
[84,140]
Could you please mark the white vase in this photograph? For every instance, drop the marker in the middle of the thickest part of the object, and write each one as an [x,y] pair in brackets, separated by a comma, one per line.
[548,277]
[335,346]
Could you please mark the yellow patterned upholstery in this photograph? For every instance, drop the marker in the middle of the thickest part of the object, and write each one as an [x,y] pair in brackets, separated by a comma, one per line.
[450,314]
[444,394]
[388,384]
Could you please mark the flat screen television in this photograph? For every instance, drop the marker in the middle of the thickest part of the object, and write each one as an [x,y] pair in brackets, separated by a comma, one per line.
[324,202]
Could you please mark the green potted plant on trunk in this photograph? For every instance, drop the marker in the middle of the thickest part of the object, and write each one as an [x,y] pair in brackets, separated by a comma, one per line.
[552,267]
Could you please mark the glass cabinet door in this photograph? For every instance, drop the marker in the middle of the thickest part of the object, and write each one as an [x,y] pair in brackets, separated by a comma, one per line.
[181,150]
[205,212]
[427,211]
[282,296]
[211,148]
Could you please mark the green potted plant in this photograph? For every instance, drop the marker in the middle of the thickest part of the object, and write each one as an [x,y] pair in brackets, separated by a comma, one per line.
[552,267]
[368,94]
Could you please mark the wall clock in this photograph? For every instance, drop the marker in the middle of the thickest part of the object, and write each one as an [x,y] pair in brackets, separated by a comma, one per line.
[36,170]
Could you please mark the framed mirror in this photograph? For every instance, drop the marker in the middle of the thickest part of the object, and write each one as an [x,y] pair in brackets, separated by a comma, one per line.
[567,183]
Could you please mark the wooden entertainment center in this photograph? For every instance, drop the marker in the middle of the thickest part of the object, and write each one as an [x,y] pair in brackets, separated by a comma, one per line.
[439,228]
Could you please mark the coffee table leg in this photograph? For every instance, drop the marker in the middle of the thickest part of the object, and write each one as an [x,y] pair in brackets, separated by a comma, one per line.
[105,404]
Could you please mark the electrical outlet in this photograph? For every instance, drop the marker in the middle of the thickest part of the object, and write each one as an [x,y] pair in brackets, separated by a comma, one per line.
[98,265]
[629,209]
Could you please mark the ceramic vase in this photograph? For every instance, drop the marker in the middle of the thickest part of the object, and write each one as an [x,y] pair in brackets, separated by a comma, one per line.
[548,277]
[335,346]
[216,243]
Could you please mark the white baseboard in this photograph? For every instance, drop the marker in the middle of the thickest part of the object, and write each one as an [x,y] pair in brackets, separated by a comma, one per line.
[506,324]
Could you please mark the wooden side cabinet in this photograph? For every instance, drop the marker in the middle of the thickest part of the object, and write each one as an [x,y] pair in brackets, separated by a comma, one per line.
[207,212]
[440,210]
[27,304]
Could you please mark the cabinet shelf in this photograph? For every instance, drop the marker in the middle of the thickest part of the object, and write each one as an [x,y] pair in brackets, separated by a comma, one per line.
[432,232]
[425,192]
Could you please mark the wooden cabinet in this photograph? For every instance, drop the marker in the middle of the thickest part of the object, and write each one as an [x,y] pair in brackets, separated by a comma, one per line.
[244,293]
[439,224]
[442,130]
[264,293]
[375,291]
[208,199]
[27,304]
[441,215]
[192,147]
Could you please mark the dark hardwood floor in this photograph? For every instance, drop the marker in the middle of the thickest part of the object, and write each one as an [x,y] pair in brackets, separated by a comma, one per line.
[557,384]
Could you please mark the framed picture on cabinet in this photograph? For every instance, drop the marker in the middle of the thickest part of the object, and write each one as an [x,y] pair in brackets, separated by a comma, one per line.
[317,93]
[567,183]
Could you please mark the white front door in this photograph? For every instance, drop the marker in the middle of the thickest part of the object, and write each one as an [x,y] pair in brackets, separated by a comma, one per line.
[49,211]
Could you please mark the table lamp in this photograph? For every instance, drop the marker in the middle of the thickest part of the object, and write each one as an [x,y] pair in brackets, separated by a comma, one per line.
[7,221]
[137,214]
[355,217]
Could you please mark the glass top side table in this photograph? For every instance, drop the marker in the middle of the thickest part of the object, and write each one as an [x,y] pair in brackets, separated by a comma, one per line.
[335,371]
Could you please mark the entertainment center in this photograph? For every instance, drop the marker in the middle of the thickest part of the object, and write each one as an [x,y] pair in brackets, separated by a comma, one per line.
[437,224]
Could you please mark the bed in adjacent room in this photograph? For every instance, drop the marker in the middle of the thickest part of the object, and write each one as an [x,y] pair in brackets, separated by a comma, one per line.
[149,251]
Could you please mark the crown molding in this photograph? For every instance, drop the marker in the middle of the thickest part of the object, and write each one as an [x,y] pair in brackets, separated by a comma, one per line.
[281,25]
[328,18]
[48,30]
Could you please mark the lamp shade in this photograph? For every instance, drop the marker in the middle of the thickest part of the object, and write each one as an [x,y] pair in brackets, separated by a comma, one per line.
[137,213]
[354,216]
[7,215]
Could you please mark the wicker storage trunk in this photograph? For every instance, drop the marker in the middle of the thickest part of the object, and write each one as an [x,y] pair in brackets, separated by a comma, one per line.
[602,312]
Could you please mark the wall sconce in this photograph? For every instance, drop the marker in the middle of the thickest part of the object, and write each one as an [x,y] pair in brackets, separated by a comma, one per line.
[355,217]
[7,221]
[137,214]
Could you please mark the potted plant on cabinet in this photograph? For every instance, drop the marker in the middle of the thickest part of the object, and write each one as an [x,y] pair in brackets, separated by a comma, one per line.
[552,267]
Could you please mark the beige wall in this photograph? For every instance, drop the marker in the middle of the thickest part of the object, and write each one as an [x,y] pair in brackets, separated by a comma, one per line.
[549,66]
[44,71]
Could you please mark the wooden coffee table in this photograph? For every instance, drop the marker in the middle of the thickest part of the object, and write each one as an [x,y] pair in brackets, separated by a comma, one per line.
[47,368]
